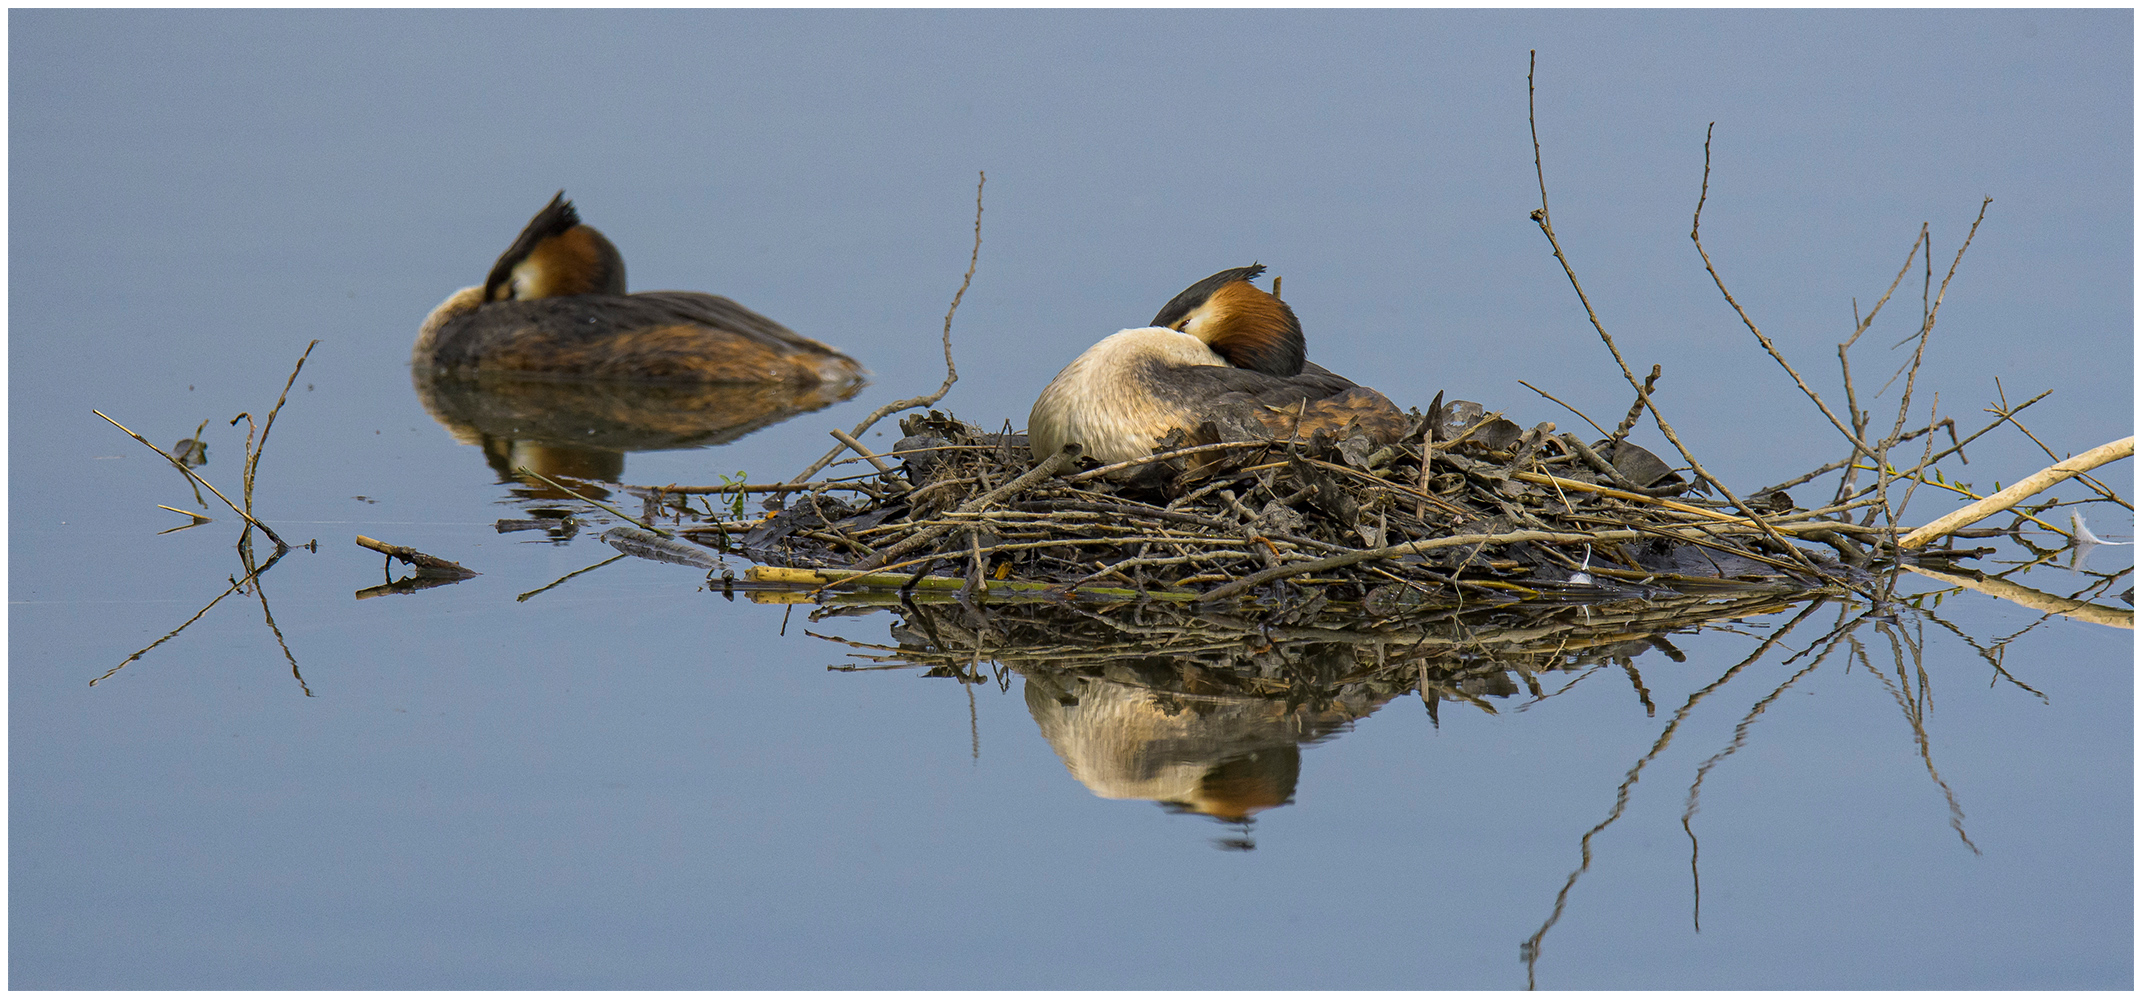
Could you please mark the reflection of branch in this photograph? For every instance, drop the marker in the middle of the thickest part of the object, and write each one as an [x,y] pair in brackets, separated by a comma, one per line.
[1992,655]
[1642,693]
[1537,698]
[1740,738]
[2037,600]
[407,584]
[245,555]
[233,588]
[523,597]
[1530,949]
[1915,713]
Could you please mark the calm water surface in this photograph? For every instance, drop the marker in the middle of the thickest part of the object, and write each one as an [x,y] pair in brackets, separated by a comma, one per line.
[629,781]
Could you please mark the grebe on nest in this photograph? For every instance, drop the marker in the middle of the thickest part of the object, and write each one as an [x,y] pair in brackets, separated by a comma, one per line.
[555,306]
[1224,352]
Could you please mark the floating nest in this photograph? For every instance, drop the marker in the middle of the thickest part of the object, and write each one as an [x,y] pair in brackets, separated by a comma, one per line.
[1471,511]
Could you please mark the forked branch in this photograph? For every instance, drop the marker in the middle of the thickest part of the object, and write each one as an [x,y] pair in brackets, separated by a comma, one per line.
[951,371]
[1546,224]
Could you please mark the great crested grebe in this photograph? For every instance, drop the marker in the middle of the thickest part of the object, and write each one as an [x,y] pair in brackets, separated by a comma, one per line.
[1223,351]
[555,306]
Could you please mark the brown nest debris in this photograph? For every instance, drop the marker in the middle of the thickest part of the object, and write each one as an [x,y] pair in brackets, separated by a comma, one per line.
[1472,509]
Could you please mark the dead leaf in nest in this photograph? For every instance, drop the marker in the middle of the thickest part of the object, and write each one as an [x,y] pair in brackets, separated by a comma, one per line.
[1497,434]
[1457,415]
[1637,464]
[1356,450]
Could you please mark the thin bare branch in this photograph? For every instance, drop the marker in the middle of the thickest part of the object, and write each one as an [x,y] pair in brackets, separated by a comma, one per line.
[951,370]
[191,474]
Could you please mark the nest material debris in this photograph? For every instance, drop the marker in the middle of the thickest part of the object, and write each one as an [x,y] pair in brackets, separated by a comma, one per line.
[1496,513]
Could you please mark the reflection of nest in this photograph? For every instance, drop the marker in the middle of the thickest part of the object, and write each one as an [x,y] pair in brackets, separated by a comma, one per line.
[1207,710]
[614,416]
[1320,665]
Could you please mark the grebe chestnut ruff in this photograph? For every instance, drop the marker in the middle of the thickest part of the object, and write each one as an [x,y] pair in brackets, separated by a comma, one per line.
[1223,351]
[555,306]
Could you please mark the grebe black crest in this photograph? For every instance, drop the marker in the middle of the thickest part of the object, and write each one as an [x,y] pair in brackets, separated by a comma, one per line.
[1223,352]
[555,306]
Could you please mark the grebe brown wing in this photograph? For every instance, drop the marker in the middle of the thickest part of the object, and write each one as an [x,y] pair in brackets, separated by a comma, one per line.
[650,336]
[1245,404]
[723,313]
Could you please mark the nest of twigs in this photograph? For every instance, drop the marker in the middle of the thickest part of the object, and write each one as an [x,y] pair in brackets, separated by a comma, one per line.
[1471,509]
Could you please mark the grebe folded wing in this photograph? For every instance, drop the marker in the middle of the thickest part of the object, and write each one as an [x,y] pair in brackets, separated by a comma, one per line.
[654,336]
[1251,405]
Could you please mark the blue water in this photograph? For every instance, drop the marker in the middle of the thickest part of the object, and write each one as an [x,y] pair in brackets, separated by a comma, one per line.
[629,781]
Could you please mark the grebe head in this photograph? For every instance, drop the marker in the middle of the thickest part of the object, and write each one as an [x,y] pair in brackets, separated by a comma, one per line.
[1239,321]
[556,255]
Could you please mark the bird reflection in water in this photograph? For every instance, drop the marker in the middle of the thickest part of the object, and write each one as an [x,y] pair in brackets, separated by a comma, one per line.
[583,430]
[1224,755]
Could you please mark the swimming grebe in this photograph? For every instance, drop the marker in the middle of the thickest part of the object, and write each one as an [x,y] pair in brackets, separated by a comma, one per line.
[1223,351]
[555,306]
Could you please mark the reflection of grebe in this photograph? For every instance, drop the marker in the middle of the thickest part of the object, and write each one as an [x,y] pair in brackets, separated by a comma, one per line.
[1222,351]
[555,306]
[1226,757]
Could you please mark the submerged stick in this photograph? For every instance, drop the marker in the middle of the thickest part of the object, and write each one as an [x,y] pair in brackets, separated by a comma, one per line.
[2038,483]
[605,507]
[426,565]
[660,548]
[561,579]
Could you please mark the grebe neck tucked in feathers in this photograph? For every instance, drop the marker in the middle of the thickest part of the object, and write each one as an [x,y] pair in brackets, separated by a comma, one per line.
[1223,351]
[555,306]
